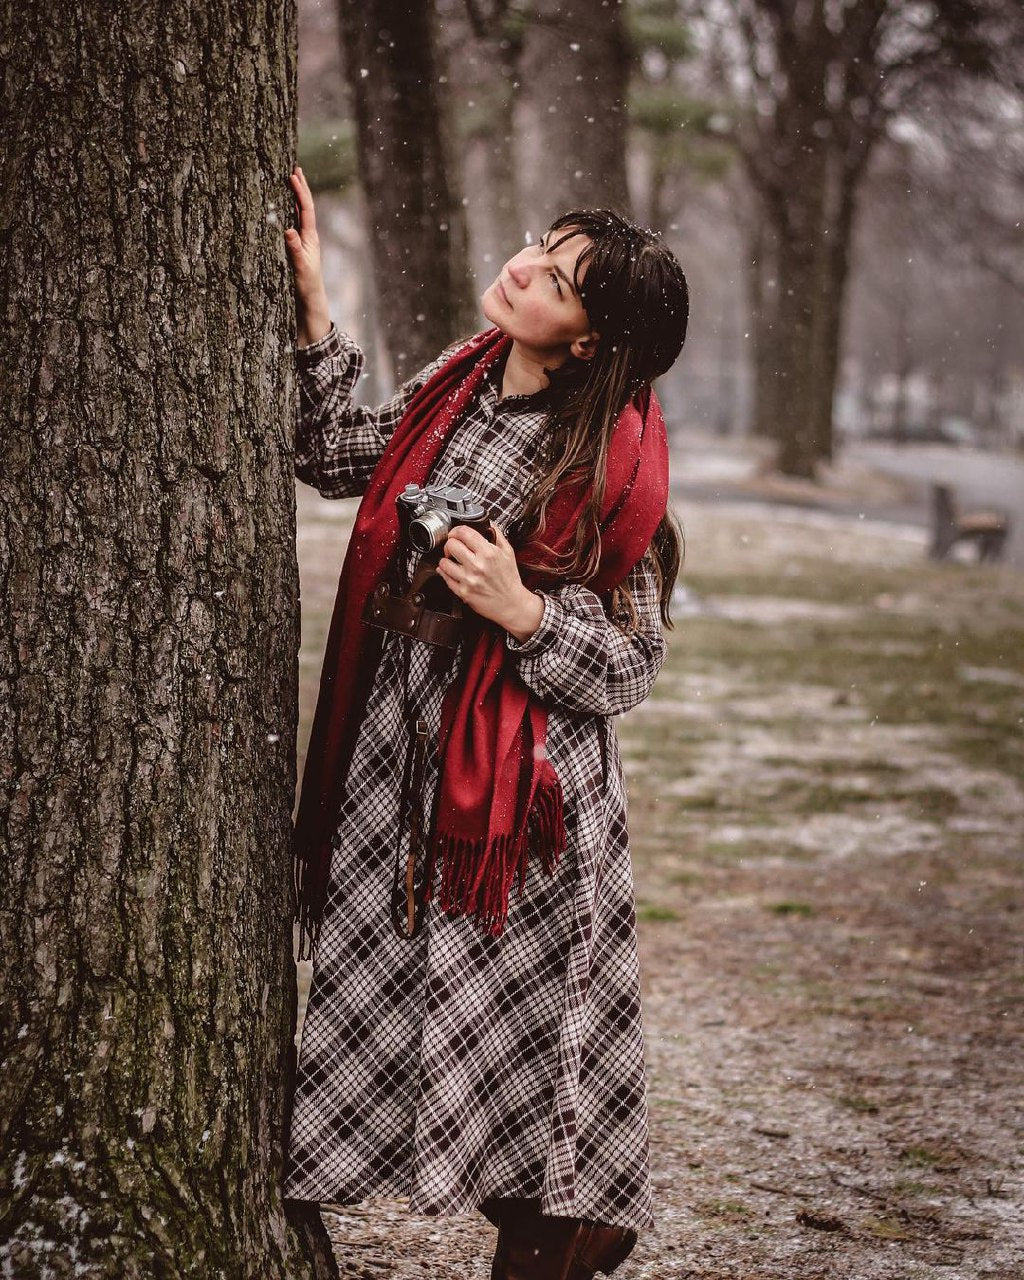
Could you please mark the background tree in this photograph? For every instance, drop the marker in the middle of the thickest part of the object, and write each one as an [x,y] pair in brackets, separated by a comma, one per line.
[571,112]
[820,84]
[677,131]
[484,40]
[149,587]
[409,175]
[937,299]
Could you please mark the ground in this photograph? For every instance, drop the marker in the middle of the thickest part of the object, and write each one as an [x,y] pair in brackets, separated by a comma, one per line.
[826,818]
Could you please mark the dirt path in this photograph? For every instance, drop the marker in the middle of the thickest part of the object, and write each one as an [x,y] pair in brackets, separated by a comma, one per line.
[827,817]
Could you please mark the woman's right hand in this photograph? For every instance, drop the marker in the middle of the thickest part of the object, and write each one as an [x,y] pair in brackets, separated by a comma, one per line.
[313,313]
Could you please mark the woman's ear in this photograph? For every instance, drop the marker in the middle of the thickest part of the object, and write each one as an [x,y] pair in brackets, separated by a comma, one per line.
[585,348]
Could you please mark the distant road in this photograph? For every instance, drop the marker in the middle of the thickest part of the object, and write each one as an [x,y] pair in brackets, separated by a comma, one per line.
[978,478]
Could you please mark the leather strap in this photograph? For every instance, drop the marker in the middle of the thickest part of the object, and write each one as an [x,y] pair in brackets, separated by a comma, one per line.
[407,903]
[408,906]
[410,616]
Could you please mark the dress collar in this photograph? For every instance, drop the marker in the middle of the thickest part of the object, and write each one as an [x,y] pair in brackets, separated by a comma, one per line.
[534,401]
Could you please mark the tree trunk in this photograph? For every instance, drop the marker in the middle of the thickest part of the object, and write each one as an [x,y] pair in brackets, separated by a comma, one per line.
[831,300]
[797,344]
[800,225]
[762,291]
[149,585]
[572,115]
[492,69]
[417,224]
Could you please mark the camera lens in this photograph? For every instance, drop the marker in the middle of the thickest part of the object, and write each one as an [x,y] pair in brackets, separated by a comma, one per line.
[429,530]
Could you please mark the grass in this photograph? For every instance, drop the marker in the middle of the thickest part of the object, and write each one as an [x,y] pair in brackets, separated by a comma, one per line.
[925,1156]
[879,668]
[653,911]
[885,729]
[725,1211]
[858,1103]
[929,683]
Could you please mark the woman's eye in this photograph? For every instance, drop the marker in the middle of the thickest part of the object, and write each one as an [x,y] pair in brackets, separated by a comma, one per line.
[554,280]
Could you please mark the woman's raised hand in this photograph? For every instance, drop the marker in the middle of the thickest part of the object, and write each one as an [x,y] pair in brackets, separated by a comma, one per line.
[312,310]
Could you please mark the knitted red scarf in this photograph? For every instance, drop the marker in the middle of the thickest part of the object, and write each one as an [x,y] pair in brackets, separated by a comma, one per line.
[498,794]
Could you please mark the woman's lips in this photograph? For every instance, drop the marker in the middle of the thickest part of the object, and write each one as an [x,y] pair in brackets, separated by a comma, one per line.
[504,295]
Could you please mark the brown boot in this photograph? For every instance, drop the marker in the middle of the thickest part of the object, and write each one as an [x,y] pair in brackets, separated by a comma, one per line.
[532,1246]
[600,1248]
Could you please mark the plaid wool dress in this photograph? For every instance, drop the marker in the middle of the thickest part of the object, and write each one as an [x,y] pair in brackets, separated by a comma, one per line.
[453,1066]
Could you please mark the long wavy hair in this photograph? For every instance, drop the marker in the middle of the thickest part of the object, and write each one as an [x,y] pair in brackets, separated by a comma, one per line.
[636,298]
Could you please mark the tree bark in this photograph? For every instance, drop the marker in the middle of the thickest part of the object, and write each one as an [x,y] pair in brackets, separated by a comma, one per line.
[762,305]
[492,65]
[417,223]
[572,109]
[149,583]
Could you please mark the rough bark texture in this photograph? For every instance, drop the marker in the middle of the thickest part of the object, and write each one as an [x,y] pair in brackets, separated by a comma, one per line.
[149,584]
[572,109]
[417,223]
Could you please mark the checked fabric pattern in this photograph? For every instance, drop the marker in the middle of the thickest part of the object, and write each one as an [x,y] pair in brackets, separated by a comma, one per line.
[453,1066]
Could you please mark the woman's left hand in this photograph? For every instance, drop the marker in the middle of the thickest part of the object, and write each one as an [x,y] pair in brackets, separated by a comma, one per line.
[485,576]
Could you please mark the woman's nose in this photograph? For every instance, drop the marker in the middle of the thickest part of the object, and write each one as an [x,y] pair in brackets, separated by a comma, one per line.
[519,274]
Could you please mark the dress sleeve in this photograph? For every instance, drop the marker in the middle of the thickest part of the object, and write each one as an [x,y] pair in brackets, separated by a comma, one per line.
[580,659]
[337,443]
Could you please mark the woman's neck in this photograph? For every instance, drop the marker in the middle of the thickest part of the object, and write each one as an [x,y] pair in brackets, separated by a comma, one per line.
[524,371]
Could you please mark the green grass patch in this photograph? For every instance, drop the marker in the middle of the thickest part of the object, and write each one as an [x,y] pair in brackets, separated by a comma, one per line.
[927,685]
[926,1156]
[652,911]
[791,908]
[725,1210]
[913,1187]
[886,1228]
[857,1102]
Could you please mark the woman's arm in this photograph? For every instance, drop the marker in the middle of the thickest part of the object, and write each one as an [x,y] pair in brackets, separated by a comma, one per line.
[580,660]
[338,444]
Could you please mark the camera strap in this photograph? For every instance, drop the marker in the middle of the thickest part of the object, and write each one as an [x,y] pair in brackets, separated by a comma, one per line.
[398,606]
[407,894]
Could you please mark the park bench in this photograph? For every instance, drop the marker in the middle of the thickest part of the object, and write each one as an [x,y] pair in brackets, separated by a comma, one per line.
[988,529]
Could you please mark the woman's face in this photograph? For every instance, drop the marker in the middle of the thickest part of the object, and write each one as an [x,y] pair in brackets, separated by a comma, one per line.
[535,302]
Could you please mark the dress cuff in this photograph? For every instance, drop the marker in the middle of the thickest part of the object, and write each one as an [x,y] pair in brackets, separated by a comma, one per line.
[332,343]
[545,633]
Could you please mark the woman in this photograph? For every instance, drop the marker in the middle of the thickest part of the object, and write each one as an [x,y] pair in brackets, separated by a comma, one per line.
[473,1036]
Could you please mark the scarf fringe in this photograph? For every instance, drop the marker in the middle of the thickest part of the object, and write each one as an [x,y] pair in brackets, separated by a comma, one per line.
[309,906]
[477,877]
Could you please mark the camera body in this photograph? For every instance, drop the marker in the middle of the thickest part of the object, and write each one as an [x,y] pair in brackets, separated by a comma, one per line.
[427,610]
[427,514]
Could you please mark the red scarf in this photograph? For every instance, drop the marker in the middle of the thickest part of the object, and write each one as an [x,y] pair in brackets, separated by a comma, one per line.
[497,793]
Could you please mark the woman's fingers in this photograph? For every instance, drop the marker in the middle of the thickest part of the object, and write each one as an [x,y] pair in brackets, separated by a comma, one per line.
[304,199]
[457,552]
[470,537]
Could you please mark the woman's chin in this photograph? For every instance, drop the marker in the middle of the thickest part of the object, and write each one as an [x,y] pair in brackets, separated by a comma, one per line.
[492,310]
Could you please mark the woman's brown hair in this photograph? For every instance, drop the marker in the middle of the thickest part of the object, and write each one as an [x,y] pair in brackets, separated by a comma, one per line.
[636,298]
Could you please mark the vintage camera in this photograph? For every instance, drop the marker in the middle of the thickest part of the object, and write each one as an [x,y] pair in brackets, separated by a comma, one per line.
[427,610]
[427,515]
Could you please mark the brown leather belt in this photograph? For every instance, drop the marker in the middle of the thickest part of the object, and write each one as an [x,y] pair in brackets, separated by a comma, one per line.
[409,615]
